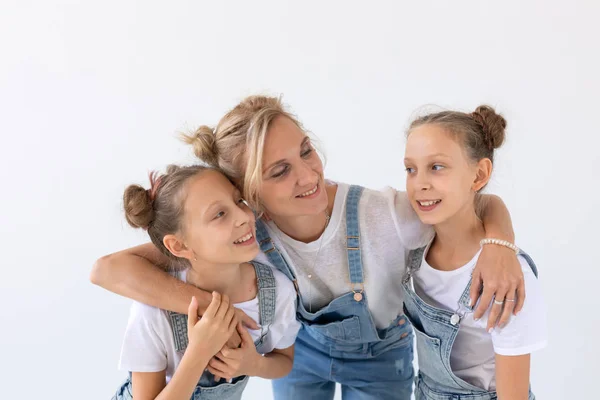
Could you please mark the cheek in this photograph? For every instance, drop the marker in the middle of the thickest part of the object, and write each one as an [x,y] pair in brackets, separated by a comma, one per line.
[316,164]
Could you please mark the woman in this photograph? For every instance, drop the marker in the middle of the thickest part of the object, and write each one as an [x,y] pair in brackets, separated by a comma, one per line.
[343,247]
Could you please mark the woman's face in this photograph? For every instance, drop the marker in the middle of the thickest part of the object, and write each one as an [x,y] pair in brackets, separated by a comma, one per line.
[293,183]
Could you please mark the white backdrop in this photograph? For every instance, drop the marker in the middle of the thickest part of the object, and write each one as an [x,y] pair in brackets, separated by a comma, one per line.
[92,94]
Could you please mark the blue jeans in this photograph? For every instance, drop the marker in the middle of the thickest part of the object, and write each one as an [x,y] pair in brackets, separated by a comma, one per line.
[388,375]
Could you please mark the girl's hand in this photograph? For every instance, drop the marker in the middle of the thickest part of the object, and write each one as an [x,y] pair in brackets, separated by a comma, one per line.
[231,363]
[210,333]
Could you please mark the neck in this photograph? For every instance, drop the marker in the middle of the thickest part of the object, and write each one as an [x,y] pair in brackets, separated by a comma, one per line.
[458,237]
[222,278]
[307,228]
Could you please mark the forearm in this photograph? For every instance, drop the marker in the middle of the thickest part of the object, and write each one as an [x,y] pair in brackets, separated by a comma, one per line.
[496,218]
[274,365]
[137,278]
[512,377]
[186,377]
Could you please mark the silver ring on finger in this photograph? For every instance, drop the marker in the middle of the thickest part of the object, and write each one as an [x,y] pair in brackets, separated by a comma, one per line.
[499,303]
[510,300]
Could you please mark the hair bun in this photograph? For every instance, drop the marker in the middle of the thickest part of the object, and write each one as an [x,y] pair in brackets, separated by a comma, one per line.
[138,206]
[493,125]
[204,144]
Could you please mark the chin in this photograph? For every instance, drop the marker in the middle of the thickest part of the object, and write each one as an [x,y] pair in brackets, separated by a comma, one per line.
[429,219]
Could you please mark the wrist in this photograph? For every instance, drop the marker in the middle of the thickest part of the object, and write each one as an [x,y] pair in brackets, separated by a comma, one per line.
[499,242]
[257,365]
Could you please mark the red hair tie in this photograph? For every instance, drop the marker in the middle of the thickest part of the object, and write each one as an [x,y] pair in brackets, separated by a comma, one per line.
[154,184]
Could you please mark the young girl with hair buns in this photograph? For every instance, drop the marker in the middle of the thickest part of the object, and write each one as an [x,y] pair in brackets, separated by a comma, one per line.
[449,159]
[201,224]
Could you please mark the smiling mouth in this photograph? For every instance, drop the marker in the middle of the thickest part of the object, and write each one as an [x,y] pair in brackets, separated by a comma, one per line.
[310,192]
[244,238]
[428,203]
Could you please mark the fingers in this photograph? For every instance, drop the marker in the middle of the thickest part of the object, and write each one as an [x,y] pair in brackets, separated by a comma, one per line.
[219,366]
[246,320]
[218,374]
[496,309]
[475,290]
[214,305]
[192,313]
[520,297]
[508,308]
[223,307]
[234,340]
[230,319]
[484,302]
[244,334]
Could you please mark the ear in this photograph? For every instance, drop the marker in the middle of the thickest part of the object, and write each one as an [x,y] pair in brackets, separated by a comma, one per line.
[483,174]
[177,247]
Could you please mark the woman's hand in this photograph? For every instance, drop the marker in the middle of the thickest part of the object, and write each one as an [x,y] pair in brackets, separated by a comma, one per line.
[499,272]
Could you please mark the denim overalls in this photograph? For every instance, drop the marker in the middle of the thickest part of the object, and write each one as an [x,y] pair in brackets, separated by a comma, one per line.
[436,330]
[207,388]
[340,342]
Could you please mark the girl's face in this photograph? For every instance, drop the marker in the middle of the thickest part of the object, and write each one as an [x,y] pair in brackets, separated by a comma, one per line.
[218,226]
[441,179]
[293,183]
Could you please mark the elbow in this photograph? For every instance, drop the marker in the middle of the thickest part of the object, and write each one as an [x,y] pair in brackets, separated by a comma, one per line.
[100,270]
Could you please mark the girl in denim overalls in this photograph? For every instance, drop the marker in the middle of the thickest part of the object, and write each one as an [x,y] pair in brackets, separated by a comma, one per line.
[343,247]
[449,160]
[198,219]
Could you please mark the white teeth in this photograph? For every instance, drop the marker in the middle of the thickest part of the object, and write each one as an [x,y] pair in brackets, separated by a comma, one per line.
[428,203]
[244,239]
[309,192]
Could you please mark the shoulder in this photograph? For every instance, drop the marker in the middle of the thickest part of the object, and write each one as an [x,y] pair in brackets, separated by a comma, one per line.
[396,206]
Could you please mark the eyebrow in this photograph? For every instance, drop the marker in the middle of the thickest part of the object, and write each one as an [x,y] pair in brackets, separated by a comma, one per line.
[215,203]
[304,141]
[431,156]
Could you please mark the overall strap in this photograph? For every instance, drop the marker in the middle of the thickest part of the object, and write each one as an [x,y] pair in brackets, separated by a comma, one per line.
[268,247]
[267,298]
[179,325]
[355,267]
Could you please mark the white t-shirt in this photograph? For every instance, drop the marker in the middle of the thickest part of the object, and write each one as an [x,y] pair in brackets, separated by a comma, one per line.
[473,355]
[149,346]
[389,228]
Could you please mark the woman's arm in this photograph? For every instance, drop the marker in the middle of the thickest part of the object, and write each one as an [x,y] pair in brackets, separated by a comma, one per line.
[135,273]
[276,364]
[498,272]
[512,377]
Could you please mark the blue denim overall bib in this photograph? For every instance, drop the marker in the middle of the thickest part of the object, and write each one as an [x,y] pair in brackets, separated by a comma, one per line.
[340,342]
[436,330]
[207,388]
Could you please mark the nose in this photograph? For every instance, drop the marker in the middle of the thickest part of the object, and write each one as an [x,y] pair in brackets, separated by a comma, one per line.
[422,182]
[305,174]
[242,216]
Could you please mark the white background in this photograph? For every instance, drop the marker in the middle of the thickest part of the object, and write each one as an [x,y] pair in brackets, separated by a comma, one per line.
[93,93]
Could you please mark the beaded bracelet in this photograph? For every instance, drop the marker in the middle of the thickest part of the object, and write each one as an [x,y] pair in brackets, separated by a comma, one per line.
[499,242]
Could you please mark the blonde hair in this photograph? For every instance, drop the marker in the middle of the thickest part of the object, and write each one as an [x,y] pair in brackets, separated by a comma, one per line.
[235,145]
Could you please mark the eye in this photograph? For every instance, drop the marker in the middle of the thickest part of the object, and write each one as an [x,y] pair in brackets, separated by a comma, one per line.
[409,170]
[306,153]
[281,172]
[220,214]
[437,167]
